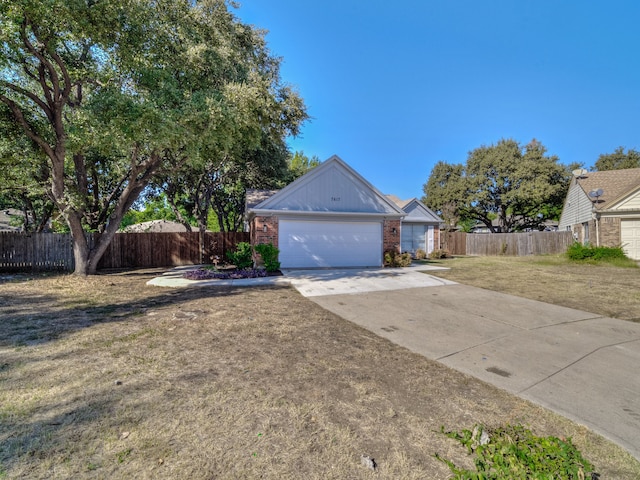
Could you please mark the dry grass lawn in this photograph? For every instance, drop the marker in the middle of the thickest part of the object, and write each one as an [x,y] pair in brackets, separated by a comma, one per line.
[606,290]
[109,378]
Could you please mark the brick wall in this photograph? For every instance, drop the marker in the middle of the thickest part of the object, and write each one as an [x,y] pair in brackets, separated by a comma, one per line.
[391,240]
[258,235]
[609,232]
[579,232]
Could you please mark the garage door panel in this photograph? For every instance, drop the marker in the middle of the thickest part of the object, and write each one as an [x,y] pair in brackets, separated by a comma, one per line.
[630,236]
[308,244]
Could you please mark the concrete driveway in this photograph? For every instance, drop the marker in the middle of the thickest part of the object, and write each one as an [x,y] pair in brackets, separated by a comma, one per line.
[576,363]
[320,282]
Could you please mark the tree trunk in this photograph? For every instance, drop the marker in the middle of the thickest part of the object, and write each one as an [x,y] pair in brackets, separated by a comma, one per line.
[202,229]
[87,258]
[80,244]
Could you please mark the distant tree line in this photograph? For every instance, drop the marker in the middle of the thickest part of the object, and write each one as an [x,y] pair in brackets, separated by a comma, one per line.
[508,187]
[618,160]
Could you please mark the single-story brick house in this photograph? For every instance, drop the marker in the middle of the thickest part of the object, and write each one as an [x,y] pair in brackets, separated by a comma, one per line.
[329,217]
[603,209]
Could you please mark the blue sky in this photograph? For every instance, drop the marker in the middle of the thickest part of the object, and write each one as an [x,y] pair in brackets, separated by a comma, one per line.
[394,87]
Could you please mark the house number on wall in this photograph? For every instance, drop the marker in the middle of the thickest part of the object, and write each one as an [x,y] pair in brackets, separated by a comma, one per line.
[335,199]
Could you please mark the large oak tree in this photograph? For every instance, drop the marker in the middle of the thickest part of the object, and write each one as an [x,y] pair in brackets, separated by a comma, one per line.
[114,92]
[521,187]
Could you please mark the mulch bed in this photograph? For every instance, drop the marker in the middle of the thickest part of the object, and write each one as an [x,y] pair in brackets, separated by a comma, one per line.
[228,273]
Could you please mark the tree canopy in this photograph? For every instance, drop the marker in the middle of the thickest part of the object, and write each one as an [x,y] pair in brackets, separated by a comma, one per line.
[521,187]
[618,160]
[298,165]
[116,92]
[24,176]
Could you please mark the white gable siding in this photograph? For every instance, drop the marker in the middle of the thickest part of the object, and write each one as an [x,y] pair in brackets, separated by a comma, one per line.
[417,213]
[630,203]
[577,208]
[333,189]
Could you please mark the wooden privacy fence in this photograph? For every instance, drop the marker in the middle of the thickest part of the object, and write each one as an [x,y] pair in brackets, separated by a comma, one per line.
[510,244]
[35,251]
[54,251]
[454,242]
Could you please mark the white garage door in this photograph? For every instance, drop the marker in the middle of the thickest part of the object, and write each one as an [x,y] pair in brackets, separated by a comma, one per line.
[630,236]
[305,244]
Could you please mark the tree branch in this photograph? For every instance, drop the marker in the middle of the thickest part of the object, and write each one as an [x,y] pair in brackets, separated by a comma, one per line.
[44,62]
[30,95]
[30,132]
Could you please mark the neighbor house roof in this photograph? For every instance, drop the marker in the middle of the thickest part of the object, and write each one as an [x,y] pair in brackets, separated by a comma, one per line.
[155,226]
[6,217]
[416,210]
[615,185]
[257,196]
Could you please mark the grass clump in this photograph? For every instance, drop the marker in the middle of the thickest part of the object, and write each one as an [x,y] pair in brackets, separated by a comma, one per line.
[514,452]
[590,254]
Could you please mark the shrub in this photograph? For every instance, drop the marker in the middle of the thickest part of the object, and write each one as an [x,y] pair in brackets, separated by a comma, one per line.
[395,259]
[577,251]
[514,452]
[436,254]
[269,255]
[420,254]
[242,257]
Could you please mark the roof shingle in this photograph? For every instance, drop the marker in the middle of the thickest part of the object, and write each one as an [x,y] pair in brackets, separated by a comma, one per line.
[614,183]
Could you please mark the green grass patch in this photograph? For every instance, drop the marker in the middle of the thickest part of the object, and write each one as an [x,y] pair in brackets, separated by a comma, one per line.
[514,452]
[123,455]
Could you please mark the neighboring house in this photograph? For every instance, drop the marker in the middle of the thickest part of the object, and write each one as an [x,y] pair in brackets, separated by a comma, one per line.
[480,227]
[7,220]
[155,226]
[329,217]
[420,227]
[603,209]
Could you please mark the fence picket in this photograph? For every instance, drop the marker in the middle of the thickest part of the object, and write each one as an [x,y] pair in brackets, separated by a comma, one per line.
[54,251]
[509,244]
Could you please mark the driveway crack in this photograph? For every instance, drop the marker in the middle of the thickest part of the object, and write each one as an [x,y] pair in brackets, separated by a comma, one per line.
[575,362]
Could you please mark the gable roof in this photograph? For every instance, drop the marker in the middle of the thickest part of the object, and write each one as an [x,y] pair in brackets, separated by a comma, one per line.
[256,196]
[331,187]
[615,184]
[156,226]
[416,210]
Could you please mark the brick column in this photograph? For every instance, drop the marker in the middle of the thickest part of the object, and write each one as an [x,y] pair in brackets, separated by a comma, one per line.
[391,240]
[610,232]
[258,234]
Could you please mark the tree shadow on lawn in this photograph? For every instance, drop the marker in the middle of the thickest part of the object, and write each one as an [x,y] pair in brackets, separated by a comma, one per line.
[31,318]
[259,384]
[46,437]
